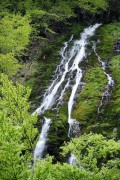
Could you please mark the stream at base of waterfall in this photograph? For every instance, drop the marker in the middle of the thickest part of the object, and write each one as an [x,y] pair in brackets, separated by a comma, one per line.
[68,74]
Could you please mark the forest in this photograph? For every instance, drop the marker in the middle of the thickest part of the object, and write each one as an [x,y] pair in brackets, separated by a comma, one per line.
[60,90]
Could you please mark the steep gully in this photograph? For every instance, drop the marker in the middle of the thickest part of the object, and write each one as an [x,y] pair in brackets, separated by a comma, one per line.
[67,72]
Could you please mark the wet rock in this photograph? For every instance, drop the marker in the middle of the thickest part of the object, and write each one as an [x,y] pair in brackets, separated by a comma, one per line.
[116,47]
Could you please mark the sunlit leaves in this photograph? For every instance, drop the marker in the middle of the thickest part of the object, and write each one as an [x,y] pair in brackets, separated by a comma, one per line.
[17,130]
[44,169]
[14,37]
[8,64]
[14,33]
[94,152]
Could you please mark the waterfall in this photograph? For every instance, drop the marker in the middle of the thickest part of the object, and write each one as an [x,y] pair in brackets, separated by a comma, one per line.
[67,74]
[48,100]
[88,32]
[41,144]
[60,74]
[72,159]
[110,81]
[73,124]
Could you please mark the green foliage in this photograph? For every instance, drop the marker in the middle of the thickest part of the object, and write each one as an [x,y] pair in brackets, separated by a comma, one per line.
[58,132]
[44,69]
[64,9]
[14,37]
[57,136]
[40,21]
[108,35]
[89,98]
[115,68]
[36,13]
[16,6]
[96,154]
[14,33]
[68,6]
[8,64]
[44,169]
[17,130]
[93,5]
[77,29]
[98,157]
[113,109]
[45,14]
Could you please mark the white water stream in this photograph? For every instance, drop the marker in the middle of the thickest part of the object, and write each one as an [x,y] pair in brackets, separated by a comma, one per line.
[60,74]
[48,101]
[41,144]
[66,72]
[72,159]
[110,81]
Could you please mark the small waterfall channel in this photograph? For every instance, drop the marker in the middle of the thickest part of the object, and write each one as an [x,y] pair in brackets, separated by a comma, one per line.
[110,82]
[68,74]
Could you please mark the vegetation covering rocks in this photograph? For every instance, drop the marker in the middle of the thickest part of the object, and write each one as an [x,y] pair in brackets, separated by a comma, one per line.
[31,35]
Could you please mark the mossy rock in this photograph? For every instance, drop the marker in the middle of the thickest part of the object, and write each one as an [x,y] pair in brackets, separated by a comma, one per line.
[108,34]
[89,98]
[112,111]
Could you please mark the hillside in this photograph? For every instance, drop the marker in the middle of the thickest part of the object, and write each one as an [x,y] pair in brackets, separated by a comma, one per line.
[60,84]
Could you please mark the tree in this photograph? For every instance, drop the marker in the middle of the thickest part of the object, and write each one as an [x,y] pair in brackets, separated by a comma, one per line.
[93,6]
[96,154]
[14,37]
[14,33]
[44,169]
[8,64]
[17,131]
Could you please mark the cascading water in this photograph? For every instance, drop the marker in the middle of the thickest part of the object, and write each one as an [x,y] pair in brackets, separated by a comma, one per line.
[72,159]
[106,93]
[48,101]
[41,144]
[50,95]
[67,74]
[73,124]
